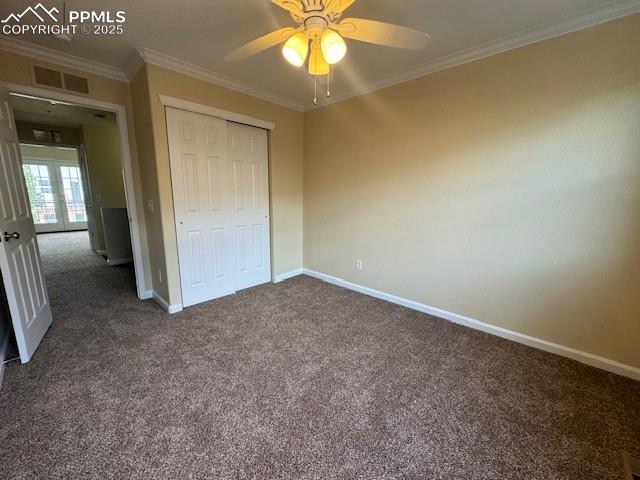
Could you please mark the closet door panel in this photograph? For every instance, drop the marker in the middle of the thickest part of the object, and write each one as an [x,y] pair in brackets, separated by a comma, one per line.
[201,182]
[248,150]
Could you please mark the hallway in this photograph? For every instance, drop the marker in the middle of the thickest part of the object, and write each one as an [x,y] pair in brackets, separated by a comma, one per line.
[69,252]
[81,286]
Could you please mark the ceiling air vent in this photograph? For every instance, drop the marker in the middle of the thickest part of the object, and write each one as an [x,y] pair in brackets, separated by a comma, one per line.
[56,79]
[75,83]
[49,136]
[48,77]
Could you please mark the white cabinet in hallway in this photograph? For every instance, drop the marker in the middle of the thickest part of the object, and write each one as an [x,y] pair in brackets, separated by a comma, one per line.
[219,174]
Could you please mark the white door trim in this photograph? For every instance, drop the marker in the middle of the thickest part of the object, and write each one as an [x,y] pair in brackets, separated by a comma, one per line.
[133,199]
[215,112]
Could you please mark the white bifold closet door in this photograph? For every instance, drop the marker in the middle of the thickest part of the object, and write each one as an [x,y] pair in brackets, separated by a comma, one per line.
[219,174]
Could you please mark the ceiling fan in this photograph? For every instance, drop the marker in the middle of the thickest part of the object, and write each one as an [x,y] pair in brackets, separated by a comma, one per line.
[321,25]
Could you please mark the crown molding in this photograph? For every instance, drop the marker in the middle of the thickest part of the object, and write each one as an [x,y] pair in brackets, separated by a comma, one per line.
[133,65]
[589,18]
[161,60]
[64,59]
[586,19]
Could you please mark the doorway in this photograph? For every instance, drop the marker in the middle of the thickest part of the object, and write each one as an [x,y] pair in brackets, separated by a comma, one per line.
[57,184]
[55,187]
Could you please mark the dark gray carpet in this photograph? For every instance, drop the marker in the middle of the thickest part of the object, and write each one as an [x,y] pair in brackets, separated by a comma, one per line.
[296,380]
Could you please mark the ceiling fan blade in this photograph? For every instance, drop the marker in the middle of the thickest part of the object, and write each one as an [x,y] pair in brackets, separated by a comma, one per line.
[293,6]
[260,44]
[339,6]
[381,33]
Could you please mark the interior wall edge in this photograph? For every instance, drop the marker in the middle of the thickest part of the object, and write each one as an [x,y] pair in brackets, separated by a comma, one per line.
[145,144]
[286,276]
[166,306]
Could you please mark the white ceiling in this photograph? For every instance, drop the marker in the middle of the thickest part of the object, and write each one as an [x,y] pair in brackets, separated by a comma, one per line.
[202,32]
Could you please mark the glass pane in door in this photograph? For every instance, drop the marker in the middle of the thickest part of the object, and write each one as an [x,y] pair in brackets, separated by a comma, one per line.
[41,193]
[73,194]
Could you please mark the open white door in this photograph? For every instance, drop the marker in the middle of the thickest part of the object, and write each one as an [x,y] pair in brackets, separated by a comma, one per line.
[19,255]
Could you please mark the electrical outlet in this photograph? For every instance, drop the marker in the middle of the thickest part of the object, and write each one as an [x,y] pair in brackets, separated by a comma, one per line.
[150,205]
[160,275]
[358,264]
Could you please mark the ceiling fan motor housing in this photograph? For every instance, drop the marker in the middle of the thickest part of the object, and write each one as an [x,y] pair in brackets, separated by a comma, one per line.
[315,25]
[315,8]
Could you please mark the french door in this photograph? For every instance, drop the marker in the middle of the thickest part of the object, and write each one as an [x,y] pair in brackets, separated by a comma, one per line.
[56,194]
[219,173]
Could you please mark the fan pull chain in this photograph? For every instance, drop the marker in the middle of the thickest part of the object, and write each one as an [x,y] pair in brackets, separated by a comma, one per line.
[315,81]
[315,89]
[329,83]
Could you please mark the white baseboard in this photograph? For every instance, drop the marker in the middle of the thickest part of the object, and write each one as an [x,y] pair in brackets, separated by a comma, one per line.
[578,355]
[285,276]
[119,261]
[171,309]
[3,353]
[146,295]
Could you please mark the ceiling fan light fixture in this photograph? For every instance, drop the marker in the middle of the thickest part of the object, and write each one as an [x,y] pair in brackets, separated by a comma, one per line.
[295,49]
[321,33]
[317,62]
[333,46]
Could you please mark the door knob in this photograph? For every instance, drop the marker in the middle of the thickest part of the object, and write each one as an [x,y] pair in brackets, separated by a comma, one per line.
[8,236]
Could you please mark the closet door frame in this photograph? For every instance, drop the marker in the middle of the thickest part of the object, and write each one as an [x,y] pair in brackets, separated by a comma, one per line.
[230,117]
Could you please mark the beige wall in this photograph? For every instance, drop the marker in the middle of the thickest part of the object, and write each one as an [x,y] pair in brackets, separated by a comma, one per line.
[506,190]
[104,162]
[16,69]
[150,187]
[285,166]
